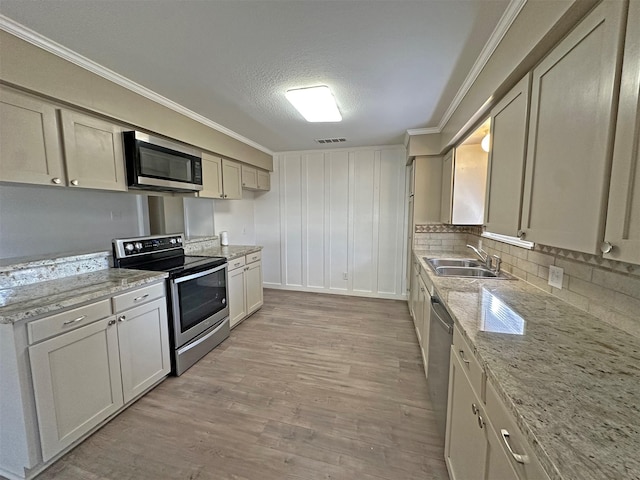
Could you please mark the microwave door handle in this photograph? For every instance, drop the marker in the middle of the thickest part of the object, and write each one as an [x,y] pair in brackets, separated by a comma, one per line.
[199,274]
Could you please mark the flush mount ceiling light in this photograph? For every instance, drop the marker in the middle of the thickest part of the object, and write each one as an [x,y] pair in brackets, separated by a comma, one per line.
[316,104]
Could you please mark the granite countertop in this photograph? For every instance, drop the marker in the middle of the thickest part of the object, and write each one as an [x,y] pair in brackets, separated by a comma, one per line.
[571,381]
[230,252]
[26,302]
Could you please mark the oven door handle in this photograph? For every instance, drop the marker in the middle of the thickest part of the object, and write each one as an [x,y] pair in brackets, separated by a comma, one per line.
[199,274]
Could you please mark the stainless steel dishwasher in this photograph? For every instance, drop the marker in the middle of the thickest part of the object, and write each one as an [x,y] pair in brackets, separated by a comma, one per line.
[440,341]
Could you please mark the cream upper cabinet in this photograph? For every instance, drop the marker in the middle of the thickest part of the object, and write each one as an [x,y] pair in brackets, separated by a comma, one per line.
[505,176]
[264,180]
[623,216]
[30,149]
[249,177]
[211,177]
[93,152]
[447,187]
[570,134]
[231,180]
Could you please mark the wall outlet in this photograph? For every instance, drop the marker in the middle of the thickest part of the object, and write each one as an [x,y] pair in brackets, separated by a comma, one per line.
[556,274]
[345,276]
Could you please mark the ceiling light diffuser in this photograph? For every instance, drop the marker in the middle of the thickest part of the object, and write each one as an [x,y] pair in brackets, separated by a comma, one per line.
[315,104]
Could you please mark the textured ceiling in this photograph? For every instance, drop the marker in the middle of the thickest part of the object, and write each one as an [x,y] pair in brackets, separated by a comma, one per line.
[392,65]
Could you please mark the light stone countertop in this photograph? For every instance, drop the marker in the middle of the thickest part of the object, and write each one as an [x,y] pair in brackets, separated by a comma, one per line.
[27,302]
[230,252]
[571,381]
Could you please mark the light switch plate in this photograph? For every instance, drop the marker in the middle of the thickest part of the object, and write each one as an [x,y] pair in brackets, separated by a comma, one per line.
[556,274]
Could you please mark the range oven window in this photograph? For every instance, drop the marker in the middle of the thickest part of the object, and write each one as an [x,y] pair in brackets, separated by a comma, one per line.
[200,296]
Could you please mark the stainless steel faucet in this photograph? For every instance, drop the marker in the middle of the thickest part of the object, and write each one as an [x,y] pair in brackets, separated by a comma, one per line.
[487,259]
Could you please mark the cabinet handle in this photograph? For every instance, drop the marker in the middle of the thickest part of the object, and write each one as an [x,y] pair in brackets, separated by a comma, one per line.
[606,247]
[474,408]
[122,318]
[56,180]
[142,297]
[79,319]
[462,356]
[74,183]
[518,457]
[480,421]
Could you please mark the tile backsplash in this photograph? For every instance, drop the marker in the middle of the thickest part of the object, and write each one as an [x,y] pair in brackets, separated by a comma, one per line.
[607,289]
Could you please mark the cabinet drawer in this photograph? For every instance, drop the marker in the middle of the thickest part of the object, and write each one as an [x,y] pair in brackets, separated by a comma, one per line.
[137,297]
[66,321]
[502,420]
[236,263]
[469,361]
[254,257]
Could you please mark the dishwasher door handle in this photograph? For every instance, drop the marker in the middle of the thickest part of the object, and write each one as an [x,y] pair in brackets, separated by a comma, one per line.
[441,314]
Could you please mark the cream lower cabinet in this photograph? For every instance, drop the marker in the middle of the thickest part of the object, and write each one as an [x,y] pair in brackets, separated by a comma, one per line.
[570,134]
[77,383]
[245,287]
[622,235]
[221,178]
[483,441]
[466,435]
[83,376]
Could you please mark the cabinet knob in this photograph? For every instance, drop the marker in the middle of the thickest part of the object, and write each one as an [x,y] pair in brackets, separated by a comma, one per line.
[606,247]
[221,195]
[474,409]
[111,322]
[122,318]
[521,234]
[74,182]
[56,180]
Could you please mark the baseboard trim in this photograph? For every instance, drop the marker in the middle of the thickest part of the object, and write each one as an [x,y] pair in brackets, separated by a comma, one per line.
[348,293]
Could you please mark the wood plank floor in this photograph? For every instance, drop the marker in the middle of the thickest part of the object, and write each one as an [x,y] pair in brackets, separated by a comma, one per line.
[310,387]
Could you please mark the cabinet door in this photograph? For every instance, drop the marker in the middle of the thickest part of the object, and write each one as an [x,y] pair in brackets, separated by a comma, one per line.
[419,318]
[466,441]
[237,301]
[249,177]
[570,134]
[264,180]
[76,379]
[253,289]
[505,176]
[143,339]
[447,187]
[231,180]
[93,152]
[211,177]
[498,463]
[30,149]
[623,216]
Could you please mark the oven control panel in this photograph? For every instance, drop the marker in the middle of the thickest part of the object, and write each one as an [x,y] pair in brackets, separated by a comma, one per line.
[129,247]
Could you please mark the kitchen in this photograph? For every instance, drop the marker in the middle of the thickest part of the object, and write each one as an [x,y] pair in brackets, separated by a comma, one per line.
[355,197]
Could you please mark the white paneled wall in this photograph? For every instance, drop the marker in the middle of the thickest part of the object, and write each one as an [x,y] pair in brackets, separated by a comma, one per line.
[334,222]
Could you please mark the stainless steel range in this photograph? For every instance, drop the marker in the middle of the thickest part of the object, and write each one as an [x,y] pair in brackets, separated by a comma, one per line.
[196,290]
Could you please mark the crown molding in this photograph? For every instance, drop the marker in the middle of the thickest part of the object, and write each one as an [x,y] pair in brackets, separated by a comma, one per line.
[505,22]
[30,36]
[398,147]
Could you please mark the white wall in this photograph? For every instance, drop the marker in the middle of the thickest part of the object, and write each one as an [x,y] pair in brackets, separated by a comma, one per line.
[237,218]
[331,213]
[46,220]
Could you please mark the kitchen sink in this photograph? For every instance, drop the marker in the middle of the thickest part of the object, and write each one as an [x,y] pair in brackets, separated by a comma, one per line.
[453,262]
[463,267]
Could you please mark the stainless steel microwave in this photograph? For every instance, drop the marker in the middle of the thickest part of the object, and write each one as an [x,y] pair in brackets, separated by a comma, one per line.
[154,163]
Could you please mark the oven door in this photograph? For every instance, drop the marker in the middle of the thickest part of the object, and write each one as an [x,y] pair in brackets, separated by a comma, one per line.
[199,302]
